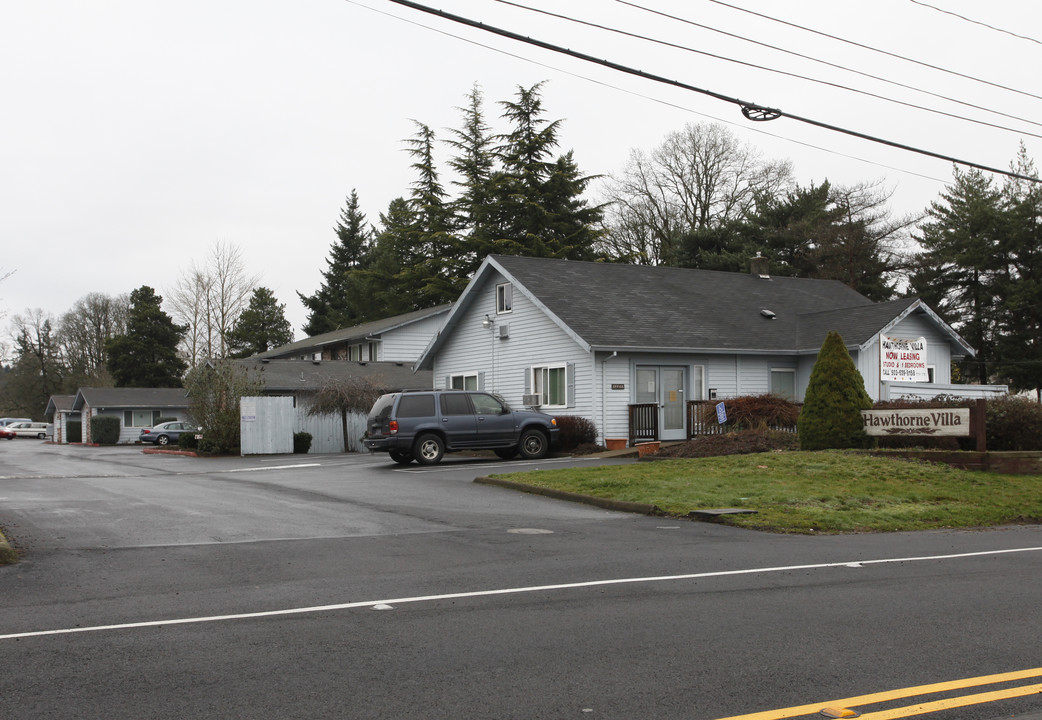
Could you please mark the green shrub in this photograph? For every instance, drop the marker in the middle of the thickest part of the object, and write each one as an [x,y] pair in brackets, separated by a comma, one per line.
[187,441]
[574,431]
[831,415]
[1013,423]
[74,431]
[104,429]
[301,442]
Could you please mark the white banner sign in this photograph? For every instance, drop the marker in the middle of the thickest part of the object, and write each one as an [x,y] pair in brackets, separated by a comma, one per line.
[902,360]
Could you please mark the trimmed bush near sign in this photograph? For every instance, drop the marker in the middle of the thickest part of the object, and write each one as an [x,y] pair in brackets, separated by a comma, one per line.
[831,414]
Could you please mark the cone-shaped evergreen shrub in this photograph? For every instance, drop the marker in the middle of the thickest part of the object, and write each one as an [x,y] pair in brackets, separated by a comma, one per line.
[831,415]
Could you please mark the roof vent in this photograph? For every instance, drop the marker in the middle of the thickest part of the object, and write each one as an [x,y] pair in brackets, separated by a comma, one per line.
[769,314]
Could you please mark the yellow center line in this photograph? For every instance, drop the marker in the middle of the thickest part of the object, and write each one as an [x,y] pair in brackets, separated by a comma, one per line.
[887,695]
[954,702]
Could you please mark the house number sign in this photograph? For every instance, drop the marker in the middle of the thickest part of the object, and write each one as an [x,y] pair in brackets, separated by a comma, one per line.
[618,386]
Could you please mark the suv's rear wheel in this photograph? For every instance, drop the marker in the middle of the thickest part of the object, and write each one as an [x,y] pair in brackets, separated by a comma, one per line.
[428,449]
[402,458]
[533,445]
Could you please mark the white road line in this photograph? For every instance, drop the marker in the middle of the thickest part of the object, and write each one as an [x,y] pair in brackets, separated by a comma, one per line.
[269,467]
[508,591]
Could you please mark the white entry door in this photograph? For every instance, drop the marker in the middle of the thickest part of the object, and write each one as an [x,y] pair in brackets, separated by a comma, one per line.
[664,386]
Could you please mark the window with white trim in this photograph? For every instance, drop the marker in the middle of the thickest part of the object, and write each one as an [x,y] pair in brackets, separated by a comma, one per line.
[783,383]
[354,352]
[467,381]
[504,298]
[140,418]
[550,383]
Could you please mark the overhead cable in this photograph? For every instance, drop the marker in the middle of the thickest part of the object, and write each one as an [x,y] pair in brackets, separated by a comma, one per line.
[875,50]
[752,111]
[650,98]
[976,22]
[805,57]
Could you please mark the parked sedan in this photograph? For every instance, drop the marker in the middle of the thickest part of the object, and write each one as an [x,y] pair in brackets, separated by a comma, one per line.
[166,433]
[7,434]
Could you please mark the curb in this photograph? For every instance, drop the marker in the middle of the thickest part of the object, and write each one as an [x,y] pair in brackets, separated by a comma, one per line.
[157,451]
[605,503]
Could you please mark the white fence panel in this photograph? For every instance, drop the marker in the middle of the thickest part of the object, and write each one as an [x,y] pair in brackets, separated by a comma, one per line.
[266,425]
[327,431]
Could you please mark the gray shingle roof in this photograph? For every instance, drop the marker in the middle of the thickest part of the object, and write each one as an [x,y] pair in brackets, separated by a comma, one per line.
[614,306]
[357,332]
[292,376]
[113,398]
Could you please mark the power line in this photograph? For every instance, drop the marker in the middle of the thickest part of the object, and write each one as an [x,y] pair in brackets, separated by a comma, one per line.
[650,98]
[875,50]
[976,22]
[816,60]
[752,111]
[776,70]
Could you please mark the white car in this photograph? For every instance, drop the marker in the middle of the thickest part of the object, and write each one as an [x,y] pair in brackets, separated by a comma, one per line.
[30,429]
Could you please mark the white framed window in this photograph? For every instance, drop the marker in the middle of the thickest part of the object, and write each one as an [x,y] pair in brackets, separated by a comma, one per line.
[550,383]
[354,352]
[783,383]
[374,351]
[140,418]
[931,373]
[504,298]
[466,381]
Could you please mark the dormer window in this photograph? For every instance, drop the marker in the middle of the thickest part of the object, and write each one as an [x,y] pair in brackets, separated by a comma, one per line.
[504,298]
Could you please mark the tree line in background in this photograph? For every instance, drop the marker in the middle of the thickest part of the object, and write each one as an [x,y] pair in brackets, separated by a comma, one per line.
[701,199]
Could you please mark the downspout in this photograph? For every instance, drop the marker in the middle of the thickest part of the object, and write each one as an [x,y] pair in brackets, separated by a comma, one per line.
[604,411]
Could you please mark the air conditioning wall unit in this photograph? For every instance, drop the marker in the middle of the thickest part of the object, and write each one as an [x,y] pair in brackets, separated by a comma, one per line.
[504,331]
[530,400]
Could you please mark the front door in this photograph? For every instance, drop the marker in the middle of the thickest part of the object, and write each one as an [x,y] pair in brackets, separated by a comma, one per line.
[664,386]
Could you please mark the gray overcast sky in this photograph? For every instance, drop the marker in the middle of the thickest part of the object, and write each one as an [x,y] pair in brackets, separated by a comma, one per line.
[135,134]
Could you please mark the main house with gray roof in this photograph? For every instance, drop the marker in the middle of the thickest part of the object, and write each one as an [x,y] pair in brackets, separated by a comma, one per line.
[599,339]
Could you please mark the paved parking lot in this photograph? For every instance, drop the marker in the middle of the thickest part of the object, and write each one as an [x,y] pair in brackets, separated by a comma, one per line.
[346,586]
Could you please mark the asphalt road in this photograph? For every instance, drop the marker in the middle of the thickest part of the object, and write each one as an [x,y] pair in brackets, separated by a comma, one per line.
[157,586]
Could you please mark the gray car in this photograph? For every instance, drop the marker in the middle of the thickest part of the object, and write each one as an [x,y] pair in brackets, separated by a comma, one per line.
[424,425]
[166,433]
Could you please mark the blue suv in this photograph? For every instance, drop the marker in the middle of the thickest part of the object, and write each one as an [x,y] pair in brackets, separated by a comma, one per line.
[423,425]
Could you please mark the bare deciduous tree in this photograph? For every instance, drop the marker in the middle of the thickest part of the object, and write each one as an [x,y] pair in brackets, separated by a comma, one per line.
[209,299]
[700,177]
[83,331]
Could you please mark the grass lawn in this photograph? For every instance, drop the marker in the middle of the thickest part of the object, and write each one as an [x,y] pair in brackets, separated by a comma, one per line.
[812,492]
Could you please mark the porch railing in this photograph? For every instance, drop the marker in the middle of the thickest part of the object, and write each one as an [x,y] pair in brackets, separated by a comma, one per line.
[643,422]
[701,420]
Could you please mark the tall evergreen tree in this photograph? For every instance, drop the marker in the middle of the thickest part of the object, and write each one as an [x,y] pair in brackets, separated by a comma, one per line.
[146,356]
[338,302]
[429,272]
[536,199]
[1019,282]
[261,326]
[958,271]
[475,164]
